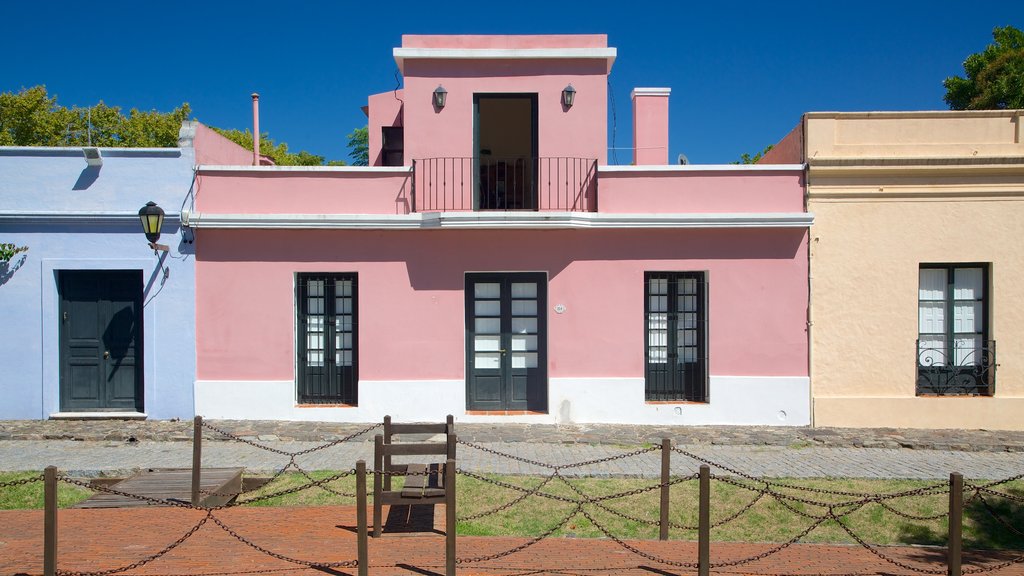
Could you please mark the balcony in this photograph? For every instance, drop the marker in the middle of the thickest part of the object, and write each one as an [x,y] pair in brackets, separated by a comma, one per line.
[965,368]
[545,184]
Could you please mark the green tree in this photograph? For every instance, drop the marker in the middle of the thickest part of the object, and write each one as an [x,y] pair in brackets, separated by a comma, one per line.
[359,146]
[34,118]
[278,152]
[748,159]
[995,76]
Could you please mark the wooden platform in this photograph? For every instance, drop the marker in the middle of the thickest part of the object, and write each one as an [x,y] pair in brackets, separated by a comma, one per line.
[169,484]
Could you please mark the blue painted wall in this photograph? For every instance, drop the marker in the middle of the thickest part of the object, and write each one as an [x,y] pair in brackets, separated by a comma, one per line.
[74,217]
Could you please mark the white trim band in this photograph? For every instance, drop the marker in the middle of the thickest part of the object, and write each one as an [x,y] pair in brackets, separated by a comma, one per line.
[703,168]
[213,168]
[495,219]
[650,92]
[403,54]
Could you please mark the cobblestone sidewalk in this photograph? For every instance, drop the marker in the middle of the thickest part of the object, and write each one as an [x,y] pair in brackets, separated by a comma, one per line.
[617,434]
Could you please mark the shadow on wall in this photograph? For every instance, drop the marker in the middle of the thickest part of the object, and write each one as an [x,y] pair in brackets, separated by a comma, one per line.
[436,260]
[8,268]
[87,177]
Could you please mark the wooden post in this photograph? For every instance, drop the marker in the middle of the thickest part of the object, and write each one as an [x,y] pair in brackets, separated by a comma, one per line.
[361,529]
[197,458]
[666,462]
[387,457]
[50,521]
[704,523]
[378,459]
[450,435]
[449,517]
[956,516]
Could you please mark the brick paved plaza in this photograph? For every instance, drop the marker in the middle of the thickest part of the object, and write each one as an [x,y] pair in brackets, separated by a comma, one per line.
[95,540]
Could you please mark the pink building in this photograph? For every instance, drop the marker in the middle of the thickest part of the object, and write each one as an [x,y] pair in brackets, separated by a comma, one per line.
[490,264]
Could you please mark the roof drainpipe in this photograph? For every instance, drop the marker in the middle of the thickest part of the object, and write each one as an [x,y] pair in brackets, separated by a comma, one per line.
[255,129]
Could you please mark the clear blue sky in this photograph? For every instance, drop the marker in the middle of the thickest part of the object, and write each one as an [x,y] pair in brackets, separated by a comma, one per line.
[741,73]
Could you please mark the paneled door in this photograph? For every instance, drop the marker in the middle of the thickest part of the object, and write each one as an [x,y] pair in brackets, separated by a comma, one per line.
[100,340]
[506,341]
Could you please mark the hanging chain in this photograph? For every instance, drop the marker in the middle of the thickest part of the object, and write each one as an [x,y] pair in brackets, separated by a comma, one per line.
[525,545]
[145,560]
[272,554]
[21,482]
[255,444]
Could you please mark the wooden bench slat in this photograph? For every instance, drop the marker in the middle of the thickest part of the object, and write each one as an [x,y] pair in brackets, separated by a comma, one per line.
[415,449]
[419,429]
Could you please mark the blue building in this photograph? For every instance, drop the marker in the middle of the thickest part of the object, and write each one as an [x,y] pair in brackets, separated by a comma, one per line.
[93,321]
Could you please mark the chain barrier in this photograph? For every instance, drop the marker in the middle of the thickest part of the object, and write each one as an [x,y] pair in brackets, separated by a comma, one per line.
[507,505]
[147,559]
[633,549]
[995,515]
[272,554]
[21,482]
[1003,481]
[982,488]
[255,444]
[558,466]
[189,506]
[872,550]
[771,551]
[148,499]
[529,492]
[525,545]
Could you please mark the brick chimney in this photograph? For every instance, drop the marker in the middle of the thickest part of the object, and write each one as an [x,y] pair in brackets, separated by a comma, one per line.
[650,125]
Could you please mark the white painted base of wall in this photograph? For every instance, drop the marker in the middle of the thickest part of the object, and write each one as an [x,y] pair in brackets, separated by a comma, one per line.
[748,400]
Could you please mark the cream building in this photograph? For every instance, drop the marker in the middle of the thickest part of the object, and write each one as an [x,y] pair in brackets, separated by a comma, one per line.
[917,267]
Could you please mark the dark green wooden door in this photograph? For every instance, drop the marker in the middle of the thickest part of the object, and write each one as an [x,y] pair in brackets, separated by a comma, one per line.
[506,363]
[100,340]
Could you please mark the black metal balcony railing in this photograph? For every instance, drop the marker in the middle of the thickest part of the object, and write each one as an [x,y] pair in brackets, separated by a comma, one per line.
[952,369]
[494,183]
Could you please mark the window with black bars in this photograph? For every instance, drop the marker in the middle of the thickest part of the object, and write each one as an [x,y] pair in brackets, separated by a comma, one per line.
[954,353]
[676,329]
[327,345]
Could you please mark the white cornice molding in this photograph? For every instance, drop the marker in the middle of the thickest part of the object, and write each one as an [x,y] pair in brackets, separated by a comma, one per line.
[650,92]
[495,220]
[64,218]
[214,168]
[403,54]
[703,168]
[76,151]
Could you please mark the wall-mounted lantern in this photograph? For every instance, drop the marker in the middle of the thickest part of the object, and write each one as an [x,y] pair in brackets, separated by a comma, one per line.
[440,96]
[568,96]
[152,217]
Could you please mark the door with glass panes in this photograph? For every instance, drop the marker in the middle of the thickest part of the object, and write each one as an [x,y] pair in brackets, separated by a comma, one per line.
[327,343]
[506,341]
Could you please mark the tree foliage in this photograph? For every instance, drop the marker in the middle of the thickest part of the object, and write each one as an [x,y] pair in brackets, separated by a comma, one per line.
[359,146]
[33,118]
[9,250]
[995,76]
[748,159]
[278,152]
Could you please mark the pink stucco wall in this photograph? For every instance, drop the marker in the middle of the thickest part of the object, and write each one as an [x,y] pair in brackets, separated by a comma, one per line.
[789,150]
[700,191]
[385,109]
[650,129]
[304,192]
[578,131]
[411,300]
[212,148]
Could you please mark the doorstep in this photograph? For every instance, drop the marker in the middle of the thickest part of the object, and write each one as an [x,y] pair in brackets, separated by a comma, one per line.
[98,416]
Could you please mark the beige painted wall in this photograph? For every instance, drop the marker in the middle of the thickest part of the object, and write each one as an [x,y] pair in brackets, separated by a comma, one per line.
[879,214]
